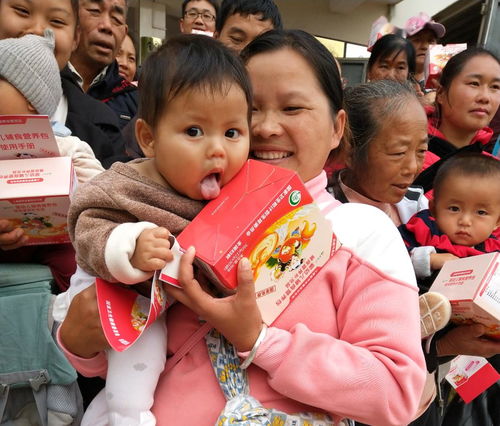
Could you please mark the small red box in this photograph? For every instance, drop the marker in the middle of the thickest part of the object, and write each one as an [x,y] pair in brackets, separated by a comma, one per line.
[265,214]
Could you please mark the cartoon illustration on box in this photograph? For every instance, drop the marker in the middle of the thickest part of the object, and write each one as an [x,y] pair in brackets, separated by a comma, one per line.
[139,313]
[282,244]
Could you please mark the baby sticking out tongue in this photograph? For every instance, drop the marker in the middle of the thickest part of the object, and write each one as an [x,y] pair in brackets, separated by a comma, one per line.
[210,187]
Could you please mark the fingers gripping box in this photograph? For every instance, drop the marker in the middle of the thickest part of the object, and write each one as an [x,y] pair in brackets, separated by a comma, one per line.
[472,285]
[34,195]
[265,214]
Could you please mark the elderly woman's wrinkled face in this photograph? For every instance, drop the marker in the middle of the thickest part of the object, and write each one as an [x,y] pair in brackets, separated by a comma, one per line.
[292,123]
[395,156]
[392,67]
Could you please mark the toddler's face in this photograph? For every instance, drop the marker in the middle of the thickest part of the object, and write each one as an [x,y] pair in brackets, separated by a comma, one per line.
[21,17]
[17,103]
[201,141]
[468,209]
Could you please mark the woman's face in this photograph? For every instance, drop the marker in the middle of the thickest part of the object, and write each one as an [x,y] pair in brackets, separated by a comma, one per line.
[473,97]
[292,123]
[395,156]
[392,67]
[126,59]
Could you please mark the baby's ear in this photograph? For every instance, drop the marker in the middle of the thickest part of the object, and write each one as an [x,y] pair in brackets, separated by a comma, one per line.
[145,137]
[32,109]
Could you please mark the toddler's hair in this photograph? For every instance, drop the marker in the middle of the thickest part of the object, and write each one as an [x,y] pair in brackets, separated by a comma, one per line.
[471,165]
[187,62]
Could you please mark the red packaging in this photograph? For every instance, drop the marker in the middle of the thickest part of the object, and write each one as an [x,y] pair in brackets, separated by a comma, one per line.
[265,214]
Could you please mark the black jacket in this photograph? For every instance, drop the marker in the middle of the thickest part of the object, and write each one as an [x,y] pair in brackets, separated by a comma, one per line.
[118,93]
[93,122]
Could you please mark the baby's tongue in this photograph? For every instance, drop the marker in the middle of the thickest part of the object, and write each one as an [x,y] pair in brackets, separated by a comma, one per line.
[210,187]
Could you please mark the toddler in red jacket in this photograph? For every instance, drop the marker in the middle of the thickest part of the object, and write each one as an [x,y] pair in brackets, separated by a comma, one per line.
[462,218]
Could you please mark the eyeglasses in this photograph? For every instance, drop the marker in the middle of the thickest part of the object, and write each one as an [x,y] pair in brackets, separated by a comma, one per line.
[192,14]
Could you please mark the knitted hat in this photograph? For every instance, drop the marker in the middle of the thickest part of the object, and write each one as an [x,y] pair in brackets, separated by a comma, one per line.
[29,64]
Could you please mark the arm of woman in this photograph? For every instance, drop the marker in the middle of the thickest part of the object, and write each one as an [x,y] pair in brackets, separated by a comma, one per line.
[378,348]
[374,369]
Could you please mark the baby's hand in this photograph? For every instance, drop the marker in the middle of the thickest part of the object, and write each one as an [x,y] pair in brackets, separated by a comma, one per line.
[439,259]
[152,250]
[11,237]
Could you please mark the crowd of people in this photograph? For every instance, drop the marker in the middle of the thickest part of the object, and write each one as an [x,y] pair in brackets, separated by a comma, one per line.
[404,174]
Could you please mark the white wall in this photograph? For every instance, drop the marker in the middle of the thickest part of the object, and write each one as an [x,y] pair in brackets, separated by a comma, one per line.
[408,8]
[152,19]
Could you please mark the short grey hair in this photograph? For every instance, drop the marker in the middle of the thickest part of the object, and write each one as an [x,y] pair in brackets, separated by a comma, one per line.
[368,106]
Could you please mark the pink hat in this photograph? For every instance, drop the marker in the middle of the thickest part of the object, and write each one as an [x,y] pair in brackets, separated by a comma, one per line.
[421,21]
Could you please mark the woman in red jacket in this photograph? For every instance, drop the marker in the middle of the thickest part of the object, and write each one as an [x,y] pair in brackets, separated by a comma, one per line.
[466,101]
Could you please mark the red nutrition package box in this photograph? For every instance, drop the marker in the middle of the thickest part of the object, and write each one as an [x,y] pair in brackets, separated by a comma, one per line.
[265,214]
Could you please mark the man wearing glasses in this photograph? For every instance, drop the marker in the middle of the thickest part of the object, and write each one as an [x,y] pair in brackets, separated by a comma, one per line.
[198,15]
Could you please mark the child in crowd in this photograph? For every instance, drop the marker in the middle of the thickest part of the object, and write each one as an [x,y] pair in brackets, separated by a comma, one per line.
[193,127]
[461,218]
[29,80]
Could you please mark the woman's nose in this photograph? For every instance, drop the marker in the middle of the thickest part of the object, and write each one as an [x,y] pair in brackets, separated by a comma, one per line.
[411,166]
[265,125]
[36,28]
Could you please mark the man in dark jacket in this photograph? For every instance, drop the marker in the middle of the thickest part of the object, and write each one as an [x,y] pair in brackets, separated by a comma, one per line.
[93,122]
[93,66]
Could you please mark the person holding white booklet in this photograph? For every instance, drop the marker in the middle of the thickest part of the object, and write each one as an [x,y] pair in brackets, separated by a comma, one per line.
[29,79]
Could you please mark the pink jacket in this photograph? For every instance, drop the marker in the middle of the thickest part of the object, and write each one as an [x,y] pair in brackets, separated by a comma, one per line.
[349,344]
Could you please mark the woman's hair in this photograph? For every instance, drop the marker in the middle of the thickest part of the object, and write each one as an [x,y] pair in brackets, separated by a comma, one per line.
[390,46]
[188,62]
[368,107]
[470,165]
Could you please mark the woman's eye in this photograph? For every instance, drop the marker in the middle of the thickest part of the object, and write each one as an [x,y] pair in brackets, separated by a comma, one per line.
[292,108]
[473,83]
[58,22]
[194,132]
[21,10]
[232,133]
[495,86]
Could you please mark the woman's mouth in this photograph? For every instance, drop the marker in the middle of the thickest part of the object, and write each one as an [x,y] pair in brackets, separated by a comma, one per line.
[271,155]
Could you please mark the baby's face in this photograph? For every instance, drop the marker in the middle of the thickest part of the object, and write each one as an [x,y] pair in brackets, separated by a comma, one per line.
[21,17]
[17,103]
[468,208]
[202,140]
